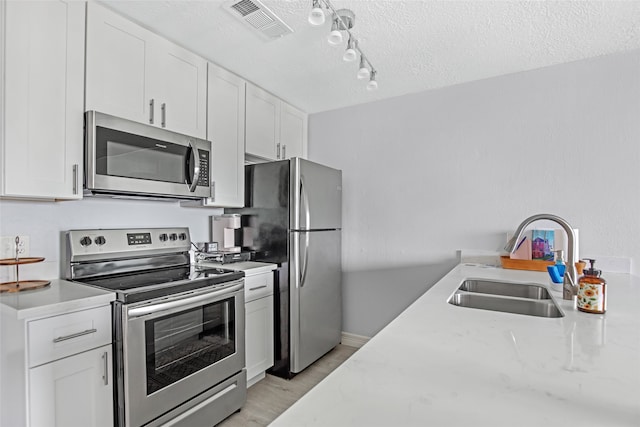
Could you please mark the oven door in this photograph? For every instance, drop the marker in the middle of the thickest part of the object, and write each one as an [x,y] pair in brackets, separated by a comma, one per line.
[126,157]
[177,348]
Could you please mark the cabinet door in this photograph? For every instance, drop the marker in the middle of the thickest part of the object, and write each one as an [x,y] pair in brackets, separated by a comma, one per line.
[117,60]
[259,335]
[225,130]
[293,132]
[263,116]
[43,132]
[74,391]
[179,77]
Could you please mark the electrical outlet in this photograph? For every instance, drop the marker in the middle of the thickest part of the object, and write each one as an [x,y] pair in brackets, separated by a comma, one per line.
[8,247]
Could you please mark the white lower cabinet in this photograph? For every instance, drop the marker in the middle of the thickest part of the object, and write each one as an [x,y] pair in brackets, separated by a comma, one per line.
[57,370]
[259,325]
[74,391]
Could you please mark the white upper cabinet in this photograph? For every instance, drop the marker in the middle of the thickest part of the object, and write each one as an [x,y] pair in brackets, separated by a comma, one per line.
[42,133]
[274,130]
[263,116]
[135,74]
[293,132]
[225,130]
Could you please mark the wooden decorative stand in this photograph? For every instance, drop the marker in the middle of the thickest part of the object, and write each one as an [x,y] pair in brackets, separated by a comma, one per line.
[18,285]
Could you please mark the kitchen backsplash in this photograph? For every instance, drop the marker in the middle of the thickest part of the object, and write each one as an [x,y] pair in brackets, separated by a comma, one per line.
[45,223]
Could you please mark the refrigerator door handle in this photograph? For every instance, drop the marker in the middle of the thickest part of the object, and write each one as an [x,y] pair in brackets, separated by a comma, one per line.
[304,203]
[305,259]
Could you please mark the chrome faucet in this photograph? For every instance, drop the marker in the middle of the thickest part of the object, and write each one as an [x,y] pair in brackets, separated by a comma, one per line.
[569,287]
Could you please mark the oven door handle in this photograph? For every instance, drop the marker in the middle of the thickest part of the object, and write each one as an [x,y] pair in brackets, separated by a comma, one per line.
[182,302]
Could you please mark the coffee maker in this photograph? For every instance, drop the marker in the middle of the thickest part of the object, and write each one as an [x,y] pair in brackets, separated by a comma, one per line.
[228,237]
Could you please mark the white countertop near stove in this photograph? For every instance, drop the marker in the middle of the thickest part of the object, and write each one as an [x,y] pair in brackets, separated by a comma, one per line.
[249,267]
[61,296]
[441,365]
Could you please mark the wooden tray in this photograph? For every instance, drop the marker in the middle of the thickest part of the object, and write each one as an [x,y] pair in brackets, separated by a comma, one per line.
[23,285]
[524,264]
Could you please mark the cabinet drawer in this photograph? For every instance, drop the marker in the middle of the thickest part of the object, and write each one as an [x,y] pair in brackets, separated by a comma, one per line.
[258,286]
[61,336]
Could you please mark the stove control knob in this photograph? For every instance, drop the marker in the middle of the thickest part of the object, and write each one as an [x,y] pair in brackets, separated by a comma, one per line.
[173,236]
[85,241]
[100,240]
[182,236]
[163,237]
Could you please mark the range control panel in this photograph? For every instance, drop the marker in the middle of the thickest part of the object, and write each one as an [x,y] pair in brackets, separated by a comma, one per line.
[139,238]
[97,243]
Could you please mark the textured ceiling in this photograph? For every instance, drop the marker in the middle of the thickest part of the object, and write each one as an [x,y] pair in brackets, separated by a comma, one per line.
[414,45]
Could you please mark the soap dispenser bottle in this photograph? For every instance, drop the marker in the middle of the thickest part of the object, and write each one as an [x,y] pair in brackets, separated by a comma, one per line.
[592,297]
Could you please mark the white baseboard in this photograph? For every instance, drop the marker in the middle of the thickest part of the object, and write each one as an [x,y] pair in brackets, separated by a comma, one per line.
[353,340]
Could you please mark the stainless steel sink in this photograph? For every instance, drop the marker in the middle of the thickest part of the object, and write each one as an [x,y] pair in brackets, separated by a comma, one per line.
[530,291]
[516,298]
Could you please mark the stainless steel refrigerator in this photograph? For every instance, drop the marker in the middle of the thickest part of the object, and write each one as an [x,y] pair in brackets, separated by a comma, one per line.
[293,217]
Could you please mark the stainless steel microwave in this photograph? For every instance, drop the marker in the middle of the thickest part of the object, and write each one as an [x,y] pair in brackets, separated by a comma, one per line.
[125,158]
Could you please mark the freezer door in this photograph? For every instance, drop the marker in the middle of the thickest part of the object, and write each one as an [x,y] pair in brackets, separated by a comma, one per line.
[315,295]
[316,196]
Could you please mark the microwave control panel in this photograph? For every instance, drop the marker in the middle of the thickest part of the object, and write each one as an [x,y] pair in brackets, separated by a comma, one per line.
[204,169]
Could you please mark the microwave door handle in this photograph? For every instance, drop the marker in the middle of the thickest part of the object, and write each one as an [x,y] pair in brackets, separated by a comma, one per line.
[196,167]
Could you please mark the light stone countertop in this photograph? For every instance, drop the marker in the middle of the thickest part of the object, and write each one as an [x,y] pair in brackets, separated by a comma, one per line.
[249,267]
[441,365]
[60,297]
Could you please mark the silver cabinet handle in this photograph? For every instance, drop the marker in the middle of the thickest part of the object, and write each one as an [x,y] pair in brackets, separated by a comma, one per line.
[75,179]
[278,150]
[196,167]
[284,151]
[76,335]
[257,287]
[163,115]
[213,191]
[151,111]
[105,375]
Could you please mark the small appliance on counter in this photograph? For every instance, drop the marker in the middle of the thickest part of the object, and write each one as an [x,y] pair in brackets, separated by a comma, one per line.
[227,241]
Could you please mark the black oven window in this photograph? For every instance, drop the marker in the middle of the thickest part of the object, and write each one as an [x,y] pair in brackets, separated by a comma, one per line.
[179,344]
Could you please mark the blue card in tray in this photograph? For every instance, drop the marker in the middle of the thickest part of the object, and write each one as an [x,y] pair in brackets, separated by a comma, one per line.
[542,244]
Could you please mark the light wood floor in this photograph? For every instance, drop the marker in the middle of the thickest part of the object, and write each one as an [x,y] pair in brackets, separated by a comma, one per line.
[271,396]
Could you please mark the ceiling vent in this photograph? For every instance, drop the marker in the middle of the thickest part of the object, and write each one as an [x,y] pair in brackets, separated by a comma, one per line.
[259,18]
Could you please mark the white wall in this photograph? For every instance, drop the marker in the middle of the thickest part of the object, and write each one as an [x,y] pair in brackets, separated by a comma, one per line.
[456,168]
[45,222]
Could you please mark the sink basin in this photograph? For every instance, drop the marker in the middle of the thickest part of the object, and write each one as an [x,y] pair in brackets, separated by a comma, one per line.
[516,298]
[529,307]
[506,289]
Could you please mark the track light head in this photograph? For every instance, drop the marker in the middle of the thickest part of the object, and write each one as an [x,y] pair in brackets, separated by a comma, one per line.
[373,84]
[350,54]
[316,16]
[363,71]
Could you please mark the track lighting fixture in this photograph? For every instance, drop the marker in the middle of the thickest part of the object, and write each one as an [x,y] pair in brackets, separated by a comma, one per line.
[342,20]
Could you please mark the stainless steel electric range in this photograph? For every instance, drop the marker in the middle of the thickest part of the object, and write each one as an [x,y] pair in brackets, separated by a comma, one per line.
[178,328]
